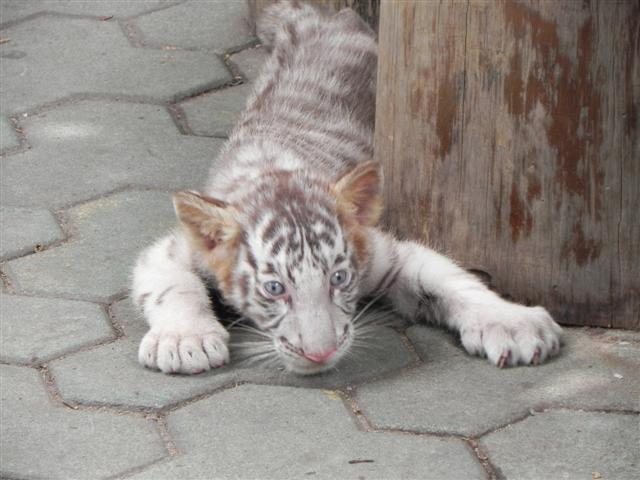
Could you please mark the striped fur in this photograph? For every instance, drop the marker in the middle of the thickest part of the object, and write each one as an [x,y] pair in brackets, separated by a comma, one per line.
[293,198]
[313,105]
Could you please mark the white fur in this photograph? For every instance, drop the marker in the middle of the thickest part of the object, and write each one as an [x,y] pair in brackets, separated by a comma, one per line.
[505,332]
[185,336]
[275,134]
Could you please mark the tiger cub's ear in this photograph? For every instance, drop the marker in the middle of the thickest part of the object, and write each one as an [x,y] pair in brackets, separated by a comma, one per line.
[359,194]
[210,222]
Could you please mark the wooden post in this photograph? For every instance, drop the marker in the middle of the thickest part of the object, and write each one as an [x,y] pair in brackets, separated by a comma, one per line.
[509,135]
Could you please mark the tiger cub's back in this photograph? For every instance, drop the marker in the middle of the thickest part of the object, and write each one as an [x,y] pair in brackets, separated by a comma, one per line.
[313,105]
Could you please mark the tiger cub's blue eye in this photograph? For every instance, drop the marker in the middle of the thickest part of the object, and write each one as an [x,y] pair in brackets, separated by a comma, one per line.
[273,288]
[339,278]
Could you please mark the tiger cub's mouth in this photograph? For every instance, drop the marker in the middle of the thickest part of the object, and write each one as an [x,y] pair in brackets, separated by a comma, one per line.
[302,363]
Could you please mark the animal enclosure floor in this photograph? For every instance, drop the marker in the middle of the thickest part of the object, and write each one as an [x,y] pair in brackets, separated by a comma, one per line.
[106,107]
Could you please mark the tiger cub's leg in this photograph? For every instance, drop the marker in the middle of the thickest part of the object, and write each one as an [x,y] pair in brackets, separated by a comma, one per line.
[185,336]
[421,283]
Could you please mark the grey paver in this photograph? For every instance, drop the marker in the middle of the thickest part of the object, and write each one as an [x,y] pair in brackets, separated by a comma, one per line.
[8,137]
[12,10]
[36,329]
[566,444]
[272,432]
[96,263]
[99,146]
[24,229]
[215,113]
[111,374]
[590,373]
[46,441]
[93,109]
[250,61]
[210,24]
[91,56]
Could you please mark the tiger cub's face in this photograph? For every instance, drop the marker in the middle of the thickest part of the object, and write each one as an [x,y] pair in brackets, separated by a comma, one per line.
[290,257]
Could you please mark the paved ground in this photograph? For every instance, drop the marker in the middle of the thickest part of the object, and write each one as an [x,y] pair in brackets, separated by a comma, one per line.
[107,106]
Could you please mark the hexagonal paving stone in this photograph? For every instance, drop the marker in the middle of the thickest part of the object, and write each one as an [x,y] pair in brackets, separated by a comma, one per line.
[13,10]
[8,137]
[110,374]
[456,393]
[250,61]
[34,330]
[275,432]
[197,24]
[62,56]
[566,444]
[46,441]
[99,146]
[96,263]
[214,114]
[24,229]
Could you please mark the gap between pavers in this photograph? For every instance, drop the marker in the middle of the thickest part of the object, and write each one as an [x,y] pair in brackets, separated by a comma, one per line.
[8,137]
[282,432]
[109,231]
[24,230]
[15,10]
[34,330]
[455,393]
[100,146]
[215,113]
[568,444]
[91,444]
[92,56]
[111,375]
[197,24]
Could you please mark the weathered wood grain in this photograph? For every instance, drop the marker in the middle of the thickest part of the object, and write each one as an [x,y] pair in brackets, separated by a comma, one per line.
[509,134]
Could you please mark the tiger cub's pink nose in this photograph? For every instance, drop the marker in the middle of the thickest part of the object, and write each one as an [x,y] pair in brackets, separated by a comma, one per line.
[321,357]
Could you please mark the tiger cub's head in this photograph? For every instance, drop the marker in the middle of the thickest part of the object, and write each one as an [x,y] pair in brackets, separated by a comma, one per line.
[290,256]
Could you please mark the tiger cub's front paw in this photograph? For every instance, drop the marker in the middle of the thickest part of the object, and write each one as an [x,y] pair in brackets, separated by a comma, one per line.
[510,334]
[187,351]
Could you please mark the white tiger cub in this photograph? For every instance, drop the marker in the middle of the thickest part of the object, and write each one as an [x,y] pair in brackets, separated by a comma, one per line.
[285,228]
